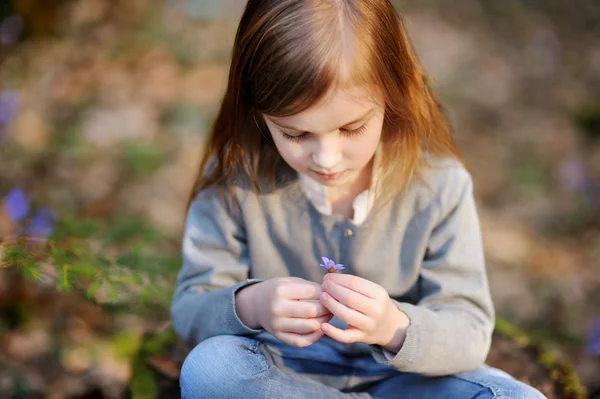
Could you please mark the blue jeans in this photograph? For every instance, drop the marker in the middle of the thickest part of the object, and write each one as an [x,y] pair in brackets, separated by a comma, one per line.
[263,367]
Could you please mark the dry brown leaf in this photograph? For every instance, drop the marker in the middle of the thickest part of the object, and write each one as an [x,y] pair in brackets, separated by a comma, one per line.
[164,365]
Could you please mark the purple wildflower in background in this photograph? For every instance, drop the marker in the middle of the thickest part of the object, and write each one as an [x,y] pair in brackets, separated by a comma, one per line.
[593,338]
[9,106]
[42,224]
[39,225]
[573,175]
[330,265]
[16,204]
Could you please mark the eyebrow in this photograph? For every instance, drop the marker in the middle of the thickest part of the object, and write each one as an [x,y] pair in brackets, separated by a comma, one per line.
[368,113]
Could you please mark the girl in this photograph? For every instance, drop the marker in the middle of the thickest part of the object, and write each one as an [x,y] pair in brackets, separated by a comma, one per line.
[329,143]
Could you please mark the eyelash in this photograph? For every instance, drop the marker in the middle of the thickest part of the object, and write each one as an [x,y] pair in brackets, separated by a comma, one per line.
[347,133]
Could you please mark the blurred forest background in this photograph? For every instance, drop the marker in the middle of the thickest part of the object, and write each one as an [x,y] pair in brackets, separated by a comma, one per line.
[104,105]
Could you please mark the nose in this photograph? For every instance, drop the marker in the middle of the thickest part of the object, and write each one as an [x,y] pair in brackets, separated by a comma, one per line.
[326,157]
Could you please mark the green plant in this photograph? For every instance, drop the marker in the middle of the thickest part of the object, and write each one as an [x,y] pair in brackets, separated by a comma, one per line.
[122,264]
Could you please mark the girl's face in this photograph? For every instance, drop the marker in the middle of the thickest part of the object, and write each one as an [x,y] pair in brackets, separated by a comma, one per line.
[333,141]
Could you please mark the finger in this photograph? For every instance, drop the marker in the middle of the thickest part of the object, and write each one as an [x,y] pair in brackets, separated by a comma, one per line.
[293,290]
[346,296]
[300,340]
[298,326]
[344,313]
[323,319]
[348,336]
[301,326]
[326,318]
[355,283]
[303,309]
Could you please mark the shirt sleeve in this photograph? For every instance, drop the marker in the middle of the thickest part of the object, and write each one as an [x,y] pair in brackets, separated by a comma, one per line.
[451,326]
[215,267]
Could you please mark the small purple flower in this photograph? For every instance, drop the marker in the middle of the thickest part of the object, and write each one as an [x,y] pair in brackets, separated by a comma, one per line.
[573,175]
[330,265]
[9,106]
[38,225]
[16,204]
[593,338]
[42,224]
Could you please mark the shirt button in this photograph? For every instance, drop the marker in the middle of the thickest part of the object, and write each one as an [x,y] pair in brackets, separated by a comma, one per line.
[348,233]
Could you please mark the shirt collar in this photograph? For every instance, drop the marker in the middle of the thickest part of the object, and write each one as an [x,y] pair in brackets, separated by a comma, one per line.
[362,204]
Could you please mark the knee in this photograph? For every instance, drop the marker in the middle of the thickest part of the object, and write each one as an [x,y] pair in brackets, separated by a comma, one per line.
[220,363]
[497,384]
[528,392]
[519,390]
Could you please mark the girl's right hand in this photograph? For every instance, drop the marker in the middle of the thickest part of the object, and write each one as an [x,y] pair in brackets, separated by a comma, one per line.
[289,308]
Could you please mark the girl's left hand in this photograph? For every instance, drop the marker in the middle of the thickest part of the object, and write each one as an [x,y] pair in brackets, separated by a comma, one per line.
[366,307]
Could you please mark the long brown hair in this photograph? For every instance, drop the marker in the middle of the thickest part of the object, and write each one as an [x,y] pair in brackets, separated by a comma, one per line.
[288,54]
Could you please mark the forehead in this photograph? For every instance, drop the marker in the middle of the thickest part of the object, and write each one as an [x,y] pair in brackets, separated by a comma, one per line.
[338,107]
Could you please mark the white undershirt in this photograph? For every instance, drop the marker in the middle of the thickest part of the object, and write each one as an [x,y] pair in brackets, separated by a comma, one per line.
[317,195]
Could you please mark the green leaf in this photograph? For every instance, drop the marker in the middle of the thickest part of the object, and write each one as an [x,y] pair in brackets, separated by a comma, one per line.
[126,279]
[18,256]
[531,175]
[185,116]
[65,278]
[71,227]
[156,344]
[99,262]
[146,295]
[141,160]
[125,229]
[171,263]
[94,288]
[126,344]
[130,259]
[85,270]
[112,292]
[31,271]
[153,294]
[13,255]
[143,384]
[62,256]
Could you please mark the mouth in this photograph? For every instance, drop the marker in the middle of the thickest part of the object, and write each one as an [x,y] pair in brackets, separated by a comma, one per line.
[329,176]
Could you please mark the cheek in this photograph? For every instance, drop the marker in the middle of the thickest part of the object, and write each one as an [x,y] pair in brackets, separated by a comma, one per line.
[292,153]
[363,148]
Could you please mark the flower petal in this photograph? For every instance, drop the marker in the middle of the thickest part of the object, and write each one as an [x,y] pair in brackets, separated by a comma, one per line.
[42,224]
[593,338]
[16,204]
[9,106]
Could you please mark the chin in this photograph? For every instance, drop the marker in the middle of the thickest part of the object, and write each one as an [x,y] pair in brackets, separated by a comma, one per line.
[336,183]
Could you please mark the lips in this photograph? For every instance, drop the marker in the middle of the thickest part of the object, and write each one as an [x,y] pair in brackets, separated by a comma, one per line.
[329,176]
